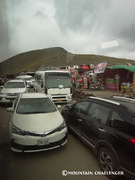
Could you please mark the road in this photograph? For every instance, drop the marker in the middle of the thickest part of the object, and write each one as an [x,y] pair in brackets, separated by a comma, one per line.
[72,161]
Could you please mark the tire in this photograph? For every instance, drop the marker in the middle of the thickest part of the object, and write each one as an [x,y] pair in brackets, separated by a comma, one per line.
[107,160]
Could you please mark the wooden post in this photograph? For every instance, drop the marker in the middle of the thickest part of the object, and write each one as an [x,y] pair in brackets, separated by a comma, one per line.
[117,81]
[117,77]
[134,85]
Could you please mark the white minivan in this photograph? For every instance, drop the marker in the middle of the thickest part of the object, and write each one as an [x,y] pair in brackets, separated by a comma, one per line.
[36,124]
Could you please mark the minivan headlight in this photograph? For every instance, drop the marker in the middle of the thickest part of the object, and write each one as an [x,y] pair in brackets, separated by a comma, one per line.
[17,130]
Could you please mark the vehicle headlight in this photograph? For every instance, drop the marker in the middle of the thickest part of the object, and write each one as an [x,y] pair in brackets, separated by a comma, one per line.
[62,126]
[17,130]
[69,96]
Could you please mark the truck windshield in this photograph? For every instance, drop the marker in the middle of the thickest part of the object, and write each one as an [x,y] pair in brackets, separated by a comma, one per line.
[57,80]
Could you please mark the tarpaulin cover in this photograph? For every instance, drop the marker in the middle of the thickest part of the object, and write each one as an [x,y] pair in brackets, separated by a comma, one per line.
[129,68]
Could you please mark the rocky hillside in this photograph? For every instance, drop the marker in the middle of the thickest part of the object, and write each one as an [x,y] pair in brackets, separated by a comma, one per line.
[57,56]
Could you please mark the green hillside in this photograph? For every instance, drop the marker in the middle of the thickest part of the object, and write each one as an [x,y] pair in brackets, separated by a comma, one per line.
[32,60]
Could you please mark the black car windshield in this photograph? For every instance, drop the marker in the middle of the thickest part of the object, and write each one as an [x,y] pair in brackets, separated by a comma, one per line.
[35,105]
[15,85]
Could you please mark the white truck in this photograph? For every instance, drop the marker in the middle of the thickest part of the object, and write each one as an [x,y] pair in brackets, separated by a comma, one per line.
[55,83]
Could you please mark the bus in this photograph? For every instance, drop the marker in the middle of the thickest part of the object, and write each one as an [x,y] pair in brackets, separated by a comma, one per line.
[55,83]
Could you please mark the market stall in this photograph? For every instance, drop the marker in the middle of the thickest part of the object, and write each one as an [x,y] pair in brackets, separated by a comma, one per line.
[119,77]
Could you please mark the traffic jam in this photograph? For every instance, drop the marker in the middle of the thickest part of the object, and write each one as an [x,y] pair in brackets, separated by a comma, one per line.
[46,111]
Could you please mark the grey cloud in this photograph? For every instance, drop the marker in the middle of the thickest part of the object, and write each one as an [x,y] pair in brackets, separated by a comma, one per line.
[119,19]
[102,21]
[76,25]
[74,14]
[4,34]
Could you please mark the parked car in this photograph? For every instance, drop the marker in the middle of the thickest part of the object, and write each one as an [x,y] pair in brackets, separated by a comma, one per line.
[36,124]
[28,78]
[108,127]
[11,89]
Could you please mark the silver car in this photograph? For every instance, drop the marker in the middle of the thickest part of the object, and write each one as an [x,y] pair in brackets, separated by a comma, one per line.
[11,89]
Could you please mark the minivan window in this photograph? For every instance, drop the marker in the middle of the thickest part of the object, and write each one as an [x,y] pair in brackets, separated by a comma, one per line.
[99,112]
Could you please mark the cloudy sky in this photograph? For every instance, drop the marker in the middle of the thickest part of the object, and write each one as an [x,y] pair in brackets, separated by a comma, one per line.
[103,27]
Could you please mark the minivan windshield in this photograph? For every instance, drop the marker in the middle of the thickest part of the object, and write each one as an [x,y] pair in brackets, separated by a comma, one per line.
[35,105]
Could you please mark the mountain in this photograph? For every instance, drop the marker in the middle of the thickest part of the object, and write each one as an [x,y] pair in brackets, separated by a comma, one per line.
[56,56]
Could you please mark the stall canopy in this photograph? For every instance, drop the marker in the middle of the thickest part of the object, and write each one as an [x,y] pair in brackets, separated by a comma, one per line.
[129,68]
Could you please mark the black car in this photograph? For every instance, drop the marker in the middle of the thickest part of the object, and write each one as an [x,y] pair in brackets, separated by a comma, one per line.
[108,127]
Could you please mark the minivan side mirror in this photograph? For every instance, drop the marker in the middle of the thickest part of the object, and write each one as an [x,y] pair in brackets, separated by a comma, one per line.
[116,123]
[10,109]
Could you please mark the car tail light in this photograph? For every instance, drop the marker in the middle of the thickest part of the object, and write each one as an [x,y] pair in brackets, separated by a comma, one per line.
[132,141]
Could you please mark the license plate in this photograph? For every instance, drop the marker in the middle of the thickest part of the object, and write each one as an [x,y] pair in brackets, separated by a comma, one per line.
[42,142]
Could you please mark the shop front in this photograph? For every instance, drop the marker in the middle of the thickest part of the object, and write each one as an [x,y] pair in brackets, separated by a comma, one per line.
[119,77]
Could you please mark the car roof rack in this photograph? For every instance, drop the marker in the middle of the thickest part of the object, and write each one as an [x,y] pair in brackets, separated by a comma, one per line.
[124,98]
[105,100]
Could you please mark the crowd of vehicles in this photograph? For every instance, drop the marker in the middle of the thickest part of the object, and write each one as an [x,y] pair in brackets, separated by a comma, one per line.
[107,126]
[36,123]
[55,83]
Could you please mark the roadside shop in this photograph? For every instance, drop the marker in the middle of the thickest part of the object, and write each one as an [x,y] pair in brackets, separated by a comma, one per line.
[120,78]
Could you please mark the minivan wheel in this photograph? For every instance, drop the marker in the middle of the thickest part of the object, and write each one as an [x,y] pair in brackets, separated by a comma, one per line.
[107,160]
